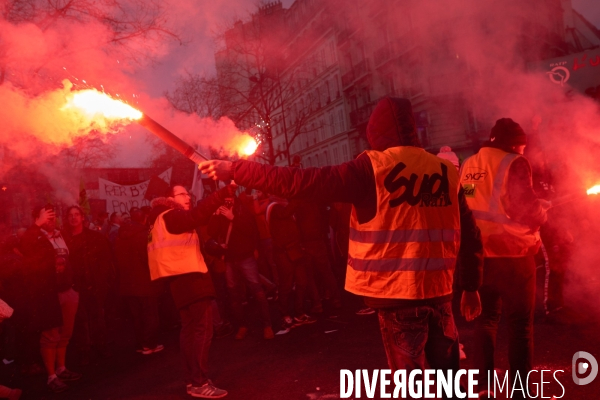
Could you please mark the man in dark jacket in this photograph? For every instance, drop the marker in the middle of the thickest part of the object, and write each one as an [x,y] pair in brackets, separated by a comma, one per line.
[174,256]
[500,192]
[234,227]
[138,291]
[92,264]
[52,298]
[312,219]
[405,271]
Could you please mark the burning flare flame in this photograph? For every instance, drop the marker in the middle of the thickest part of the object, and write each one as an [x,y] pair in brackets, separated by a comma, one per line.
[94,103]
[594,190]
[100,111]
[249,147]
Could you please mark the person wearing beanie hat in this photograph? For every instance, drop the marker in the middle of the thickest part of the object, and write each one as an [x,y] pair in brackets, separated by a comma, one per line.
[400,194]
[447,154]
[498,185]
[506,134]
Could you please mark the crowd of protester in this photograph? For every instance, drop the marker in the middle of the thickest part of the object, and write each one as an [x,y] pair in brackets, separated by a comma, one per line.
[69,278]
[69,282]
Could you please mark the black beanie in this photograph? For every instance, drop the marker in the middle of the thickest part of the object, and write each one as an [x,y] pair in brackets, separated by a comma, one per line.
[508,132]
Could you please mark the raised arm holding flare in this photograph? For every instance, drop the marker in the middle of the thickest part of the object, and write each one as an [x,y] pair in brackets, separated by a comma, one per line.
[408,221]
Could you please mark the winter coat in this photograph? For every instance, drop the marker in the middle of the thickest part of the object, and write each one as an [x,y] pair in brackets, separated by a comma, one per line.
[244,237]
[39,273]
[312,219]
[187,289]
[90,258]
[13,289]
[132,262]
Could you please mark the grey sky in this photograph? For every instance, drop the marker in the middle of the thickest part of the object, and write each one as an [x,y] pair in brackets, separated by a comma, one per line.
[590,9]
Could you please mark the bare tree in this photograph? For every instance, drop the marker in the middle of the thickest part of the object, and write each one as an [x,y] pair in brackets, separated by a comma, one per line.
[258,84]
[195,94]
[89,151]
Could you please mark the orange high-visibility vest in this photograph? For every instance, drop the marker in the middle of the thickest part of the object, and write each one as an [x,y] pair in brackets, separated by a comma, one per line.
[483,177]
[409,249]
[170,254]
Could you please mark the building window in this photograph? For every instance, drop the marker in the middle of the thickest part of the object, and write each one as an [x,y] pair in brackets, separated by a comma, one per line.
[345,153]
[332,52]
[341,120]
[332,124]
[326,158]
[336,158]
[336,86]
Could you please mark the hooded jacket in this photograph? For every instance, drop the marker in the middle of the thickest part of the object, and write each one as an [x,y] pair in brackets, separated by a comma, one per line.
[391,124]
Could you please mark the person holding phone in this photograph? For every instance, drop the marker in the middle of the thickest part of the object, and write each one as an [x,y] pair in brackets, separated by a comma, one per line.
[53,300]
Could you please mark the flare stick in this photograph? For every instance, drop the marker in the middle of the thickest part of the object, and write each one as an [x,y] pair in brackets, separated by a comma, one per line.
[568,199]
[171,139]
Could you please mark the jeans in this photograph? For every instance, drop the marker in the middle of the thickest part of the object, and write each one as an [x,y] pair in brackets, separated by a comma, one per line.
[91,322]
[245,272]
[265,258]
[317,250]
[194,340]
[509,287]
[291,272]
[144,310]
[413,335]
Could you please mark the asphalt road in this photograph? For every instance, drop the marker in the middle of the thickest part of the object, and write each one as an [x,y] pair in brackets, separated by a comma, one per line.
[306,363]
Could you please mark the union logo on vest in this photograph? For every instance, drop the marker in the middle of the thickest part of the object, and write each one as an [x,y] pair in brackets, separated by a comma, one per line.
[434,190]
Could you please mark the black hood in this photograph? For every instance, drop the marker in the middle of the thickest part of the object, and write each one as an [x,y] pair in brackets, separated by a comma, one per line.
[392,124]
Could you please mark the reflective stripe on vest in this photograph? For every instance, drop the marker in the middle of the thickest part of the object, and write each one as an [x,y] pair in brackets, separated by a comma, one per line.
[173,254]
[402,264]
[404,235]
[408,250]
[484,177]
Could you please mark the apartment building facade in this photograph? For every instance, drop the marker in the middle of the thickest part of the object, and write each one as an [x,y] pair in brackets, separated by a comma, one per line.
[338,58]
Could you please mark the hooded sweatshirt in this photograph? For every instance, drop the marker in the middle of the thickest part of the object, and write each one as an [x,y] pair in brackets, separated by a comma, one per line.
[391,124]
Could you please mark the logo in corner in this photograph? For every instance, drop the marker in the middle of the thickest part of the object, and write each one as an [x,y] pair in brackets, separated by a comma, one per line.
[582,367]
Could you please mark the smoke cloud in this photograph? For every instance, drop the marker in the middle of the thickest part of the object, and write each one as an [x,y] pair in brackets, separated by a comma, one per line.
[38,52]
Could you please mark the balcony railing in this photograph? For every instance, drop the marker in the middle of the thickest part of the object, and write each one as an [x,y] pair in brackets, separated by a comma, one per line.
[407,42]
[361,115]
[358,71]
[382,55]
[343,35]
[348,78]
[361,69]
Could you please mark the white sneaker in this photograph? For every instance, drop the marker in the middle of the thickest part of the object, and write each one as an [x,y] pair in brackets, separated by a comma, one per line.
[365,311]
[207,391]
[146,350]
